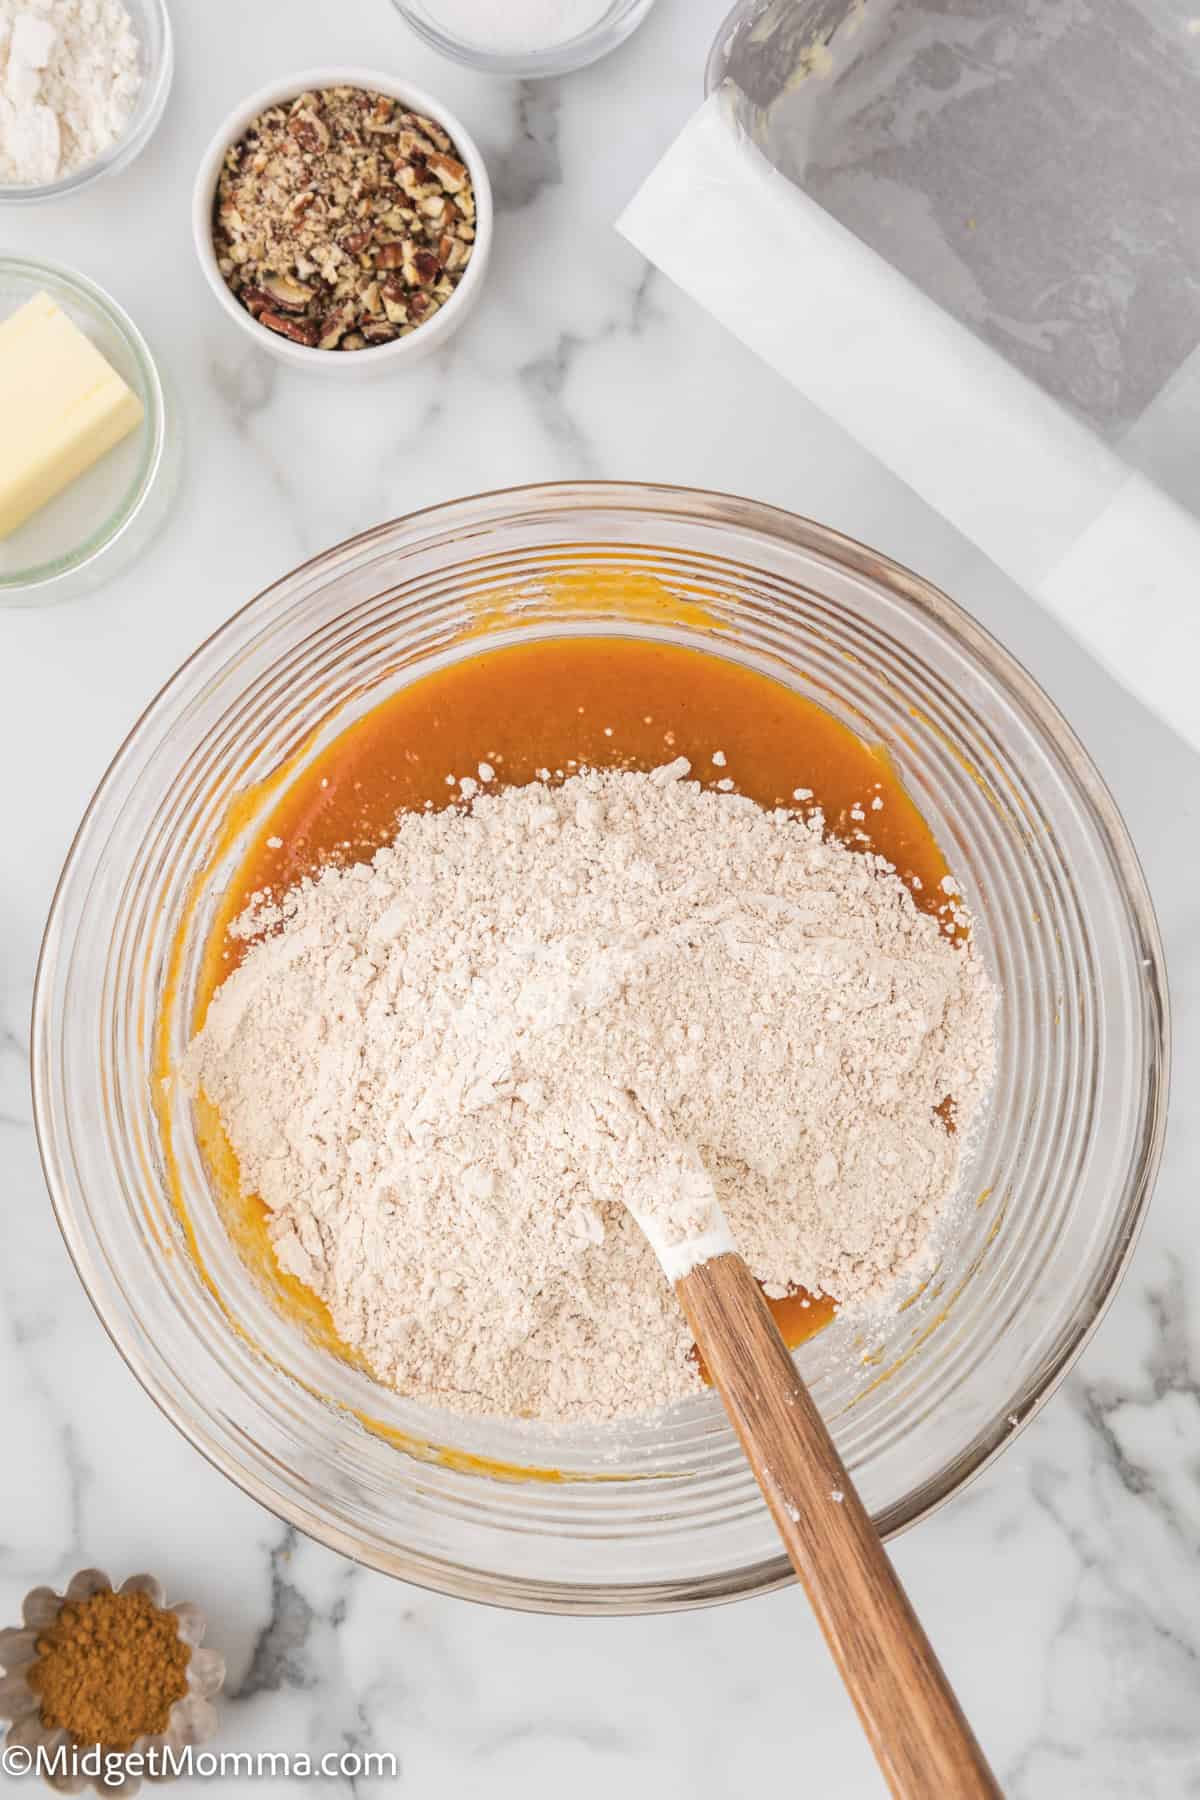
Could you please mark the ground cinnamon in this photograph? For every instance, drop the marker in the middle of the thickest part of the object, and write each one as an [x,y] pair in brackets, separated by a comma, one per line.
[110,1668]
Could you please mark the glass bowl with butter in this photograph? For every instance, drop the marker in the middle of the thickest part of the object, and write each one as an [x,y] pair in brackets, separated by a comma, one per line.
[85,469]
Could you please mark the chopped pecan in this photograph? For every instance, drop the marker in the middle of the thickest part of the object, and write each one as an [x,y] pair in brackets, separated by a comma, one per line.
[430,129]
[255,301]
[410,142]
[292,295]
[395,302]
[334,327]
[452,175]
[310,132]
[379,116]
[301,331]
[342,220]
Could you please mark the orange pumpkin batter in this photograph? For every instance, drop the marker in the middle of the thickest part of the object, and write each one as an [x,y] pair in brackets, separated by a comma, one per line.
[557,704]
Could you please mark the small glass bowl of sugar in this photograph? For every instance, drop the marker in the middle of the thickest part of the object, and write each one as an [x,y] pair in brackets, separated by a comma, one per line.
[525,38]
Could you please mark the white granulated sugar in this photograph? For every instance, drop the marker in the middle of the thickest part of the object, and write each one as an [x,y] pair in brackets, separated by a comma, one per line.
[70,74]
[447,1070]
[518,25]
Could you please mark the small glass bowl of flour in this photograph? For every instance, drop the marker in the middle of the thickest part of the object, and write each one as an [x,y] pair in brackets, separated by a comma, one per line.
[527,38]
[83,84]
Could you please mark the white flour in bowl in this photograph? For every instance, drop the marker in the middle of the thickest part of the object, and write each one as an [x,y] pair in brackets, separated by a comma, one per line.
[70,74]
[444,1069]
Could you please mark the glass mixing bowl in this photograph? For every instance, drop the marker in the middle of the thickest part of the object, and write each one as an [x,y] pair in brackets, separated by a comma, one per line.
[661,1512]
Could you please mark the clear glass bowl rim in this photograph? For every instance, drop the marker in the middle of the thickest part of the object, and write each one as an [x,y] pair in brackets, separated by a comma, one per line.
[127,148]
[470,515]
[576,53]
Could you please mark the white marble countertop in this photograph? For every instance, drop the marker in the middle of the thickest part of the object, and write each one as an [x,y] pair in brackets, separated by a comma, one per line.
[1063,1589]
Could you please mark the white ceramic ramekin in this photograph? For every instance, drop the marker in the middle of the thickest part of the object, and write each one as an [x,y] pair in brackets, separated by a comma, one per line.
[379,357]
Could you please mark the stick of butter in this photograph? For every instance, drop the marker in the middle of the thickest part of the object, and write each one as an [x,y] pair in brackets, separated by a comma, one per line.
[62,407]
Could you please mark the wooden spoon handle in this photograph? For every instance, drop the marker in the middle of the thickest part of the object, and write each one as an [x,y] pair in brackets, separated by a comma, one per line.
[908,1709]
